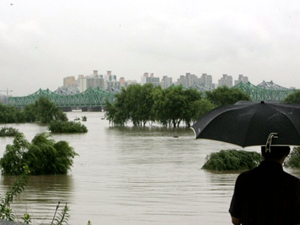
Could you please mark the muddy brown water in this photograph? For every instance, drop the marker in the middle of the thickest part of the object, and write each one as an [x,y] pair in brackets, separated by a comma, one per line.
[129,176]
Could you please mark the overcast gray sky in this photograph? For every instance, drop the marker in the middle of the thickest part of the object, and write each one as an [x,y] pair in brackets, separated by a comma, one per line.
[43,41]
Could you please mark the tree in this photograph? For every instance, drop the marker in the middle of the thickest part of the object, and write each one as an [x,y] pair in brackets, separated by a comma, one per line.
[170,105]
[232,160]
[10,114]
[42,156]
[46,111]
[192,96]
[134,103]
[200,107]
[58,126]
[117,112]
[224,96]
[293,97]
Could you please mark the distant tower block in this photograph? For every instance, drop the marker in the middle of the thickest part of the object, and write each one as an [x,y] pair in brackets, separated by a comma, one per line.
[95,72]
[108,73]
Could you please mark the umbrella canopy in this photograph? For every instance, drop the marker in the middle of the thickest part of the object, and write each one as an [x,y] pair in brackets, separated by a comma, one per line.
[250,124]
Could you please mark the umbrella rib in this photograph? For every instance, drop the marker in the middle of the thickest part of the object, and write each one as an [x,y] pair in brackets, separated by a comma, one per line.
[246,135]
[284,114]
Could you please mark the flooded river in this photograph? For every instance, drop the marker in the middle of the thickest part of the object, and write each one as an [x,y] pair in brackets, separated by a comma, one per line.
[129,176]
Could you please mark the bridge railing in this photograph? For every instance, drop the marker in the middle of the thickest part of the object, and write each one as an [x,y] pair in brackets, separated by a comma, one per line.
[96,97]
[89,98]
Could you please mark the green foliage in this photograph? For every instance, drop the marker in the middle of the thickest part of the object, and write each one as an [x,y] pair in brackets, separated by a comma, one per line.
[293,97]
[293,160]
[134,103]
[8,132]
[58,126]
[232,160]
[6,212]
[224,96]
[46,111]
[12,162]
[43,156]
[200,107]
[26,218]
[142,104]
[63,216]
[43,110]
[174,105]
[10,114]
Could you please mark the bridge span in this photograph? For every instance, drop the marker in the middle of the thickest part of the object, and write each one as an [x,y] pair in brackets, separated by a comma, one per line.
[95,98]
[91,99]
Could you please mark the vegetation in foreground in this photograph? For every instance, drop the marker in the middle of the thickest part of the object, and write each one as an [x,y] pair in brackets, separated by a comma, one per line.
[232,160]
[7,213]
[42,156]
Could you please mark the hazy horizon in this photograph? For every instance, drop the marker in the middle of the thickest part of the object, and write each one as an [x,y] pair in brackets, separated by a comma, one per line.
[42,42]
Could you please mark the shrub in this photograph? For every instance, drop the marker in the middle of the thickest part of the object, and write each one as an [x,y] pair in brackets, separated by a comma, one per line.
[8,132]
[232,160]
[42,156]
[67,127]
[293,159]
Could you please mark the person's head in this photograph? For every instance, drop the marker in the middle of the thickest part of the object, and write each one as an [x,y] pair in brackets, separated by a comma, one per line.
[277,153]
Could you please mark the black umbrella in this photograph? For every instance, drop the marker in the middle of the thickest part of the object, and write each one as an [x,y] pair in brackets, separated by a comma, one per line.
[250,124]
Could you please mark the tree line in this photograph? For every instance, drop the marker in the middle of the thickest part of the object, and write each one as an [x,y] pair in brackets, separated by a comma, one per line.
[43,110]
[147,103]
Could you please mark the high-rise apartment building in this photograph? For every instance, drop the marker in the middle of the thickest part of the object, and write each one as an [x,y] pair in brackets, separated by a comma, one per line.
[182,81]
[242,79]
[225,81]
[146,78]
[122,82]
[70,82]
[95,81]
[166,82]
[81,83]
[206,80]
[191,79]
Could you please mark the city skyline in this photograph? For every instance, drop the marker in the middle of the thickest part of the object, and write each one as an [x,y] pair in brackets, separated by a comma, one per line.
[111,82]
[41,42]
[221,81]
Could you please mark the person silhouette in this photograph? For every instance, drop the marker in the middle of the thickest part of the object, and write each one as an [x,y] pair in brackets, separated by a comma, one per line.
[267,194]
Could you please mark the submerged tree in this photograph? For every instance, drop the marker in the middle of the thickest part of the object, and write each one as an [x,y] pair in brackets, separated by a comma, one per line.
[58,126]
[43,110]
[134,104]
[293,159]
[46,111]
[8,132]
[232,160]
[42,156]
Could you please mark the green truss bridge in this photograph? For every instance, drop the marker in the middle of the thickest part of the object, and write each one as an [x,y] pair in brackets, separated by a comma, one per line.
[95,98]
[266,91]
[91,99]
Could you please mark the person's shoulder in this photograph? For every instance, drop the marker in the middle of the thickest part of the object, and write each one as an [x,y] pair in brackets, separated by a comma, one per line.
[292,177]
[248,173]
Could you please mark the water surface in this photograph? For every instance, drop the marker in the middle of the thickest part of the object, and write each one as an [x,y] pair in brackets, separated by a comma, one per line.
[129,176]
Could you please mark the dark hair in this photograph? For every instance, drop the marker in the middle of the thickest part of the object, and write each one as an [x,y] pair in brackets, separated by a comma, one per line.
[277,152]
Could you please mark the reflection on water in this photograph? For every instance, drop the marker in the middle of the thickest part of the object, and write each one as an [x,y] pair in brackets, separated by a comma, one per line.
[131,176]
[41,194]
